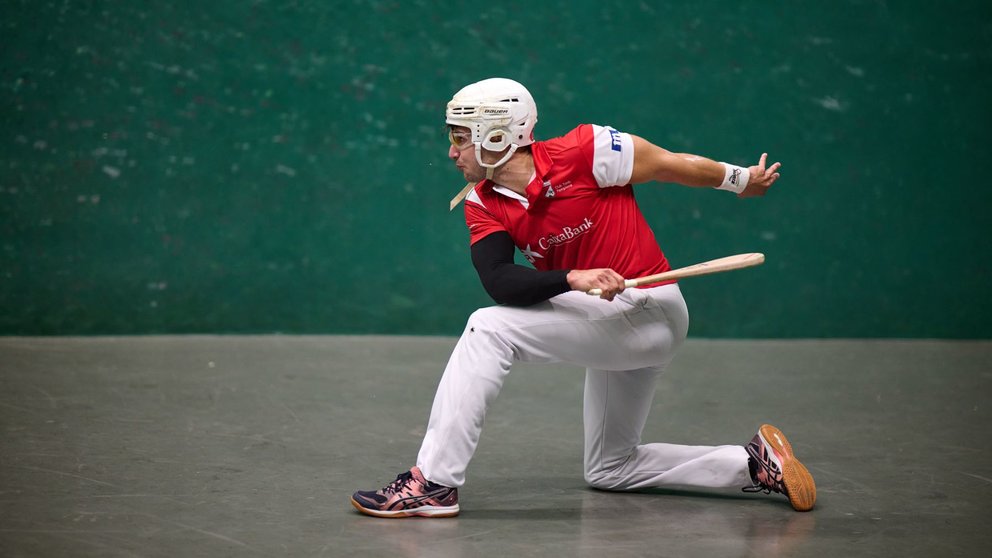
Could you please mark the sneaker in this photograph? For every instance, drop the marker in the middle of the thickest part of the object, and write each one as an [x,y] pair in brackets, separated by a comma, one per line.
[775,469]
[409,495]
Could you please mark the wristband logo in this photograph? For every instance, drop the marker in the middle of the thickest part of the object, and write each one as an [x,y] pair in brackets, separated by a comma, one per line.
[735,176]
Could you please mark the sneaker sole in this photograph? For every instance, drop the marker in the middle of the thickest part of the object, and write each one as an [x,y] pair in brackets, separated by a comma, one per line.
[798,482]
[424,511]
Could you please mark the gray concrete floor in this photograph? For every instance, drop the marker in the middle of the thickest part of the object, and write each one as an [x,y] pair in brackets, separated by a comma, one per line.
[214,446]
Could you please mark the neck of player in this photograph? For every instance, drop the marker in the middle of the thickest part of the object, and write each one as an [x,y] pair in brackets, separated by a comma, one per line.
[516,173]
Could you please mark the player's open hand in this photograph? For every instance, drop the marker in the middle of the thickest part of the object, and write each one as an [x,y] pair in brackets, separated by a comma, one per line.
[607,280]
[761,178]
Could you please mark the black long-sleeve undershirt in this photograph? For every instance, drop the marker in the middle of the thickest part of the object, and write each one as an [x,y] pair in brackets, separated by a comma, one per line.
[509,283]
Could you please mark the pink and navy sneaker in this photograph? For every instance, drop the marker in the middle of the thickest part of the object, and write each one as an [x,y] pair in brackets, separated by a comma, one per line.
[409,495]
[774,468]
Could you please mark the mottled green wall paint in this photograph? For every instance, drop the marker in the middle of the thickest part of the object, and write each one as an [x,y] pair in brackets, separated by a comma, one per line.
[280,166]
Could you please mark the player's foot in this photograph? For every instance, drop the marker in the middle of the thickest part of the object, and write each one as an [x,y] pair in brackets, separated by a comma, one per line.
[409,495]
[775,469]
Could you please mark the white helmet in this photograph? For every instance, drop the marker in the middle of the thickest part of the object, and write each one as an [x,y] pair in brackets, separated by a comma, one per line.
[500,113]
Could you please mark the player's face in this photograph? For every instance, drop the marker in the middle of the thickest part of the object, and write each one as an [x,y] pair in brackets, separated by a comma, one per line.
[462,153]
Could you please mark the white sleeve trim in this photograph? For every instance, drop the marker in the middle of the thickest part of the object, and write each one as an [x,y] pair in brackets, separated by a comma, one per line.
[613,156]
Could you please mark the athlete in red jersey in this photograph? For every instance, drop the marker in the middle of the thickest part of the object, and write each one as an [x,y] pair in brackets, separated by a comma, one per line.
[578,212]
[568,205]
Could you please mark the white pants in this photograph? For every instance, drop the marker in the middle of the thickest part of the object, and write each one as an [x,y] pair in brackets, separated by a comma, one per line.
[624,346]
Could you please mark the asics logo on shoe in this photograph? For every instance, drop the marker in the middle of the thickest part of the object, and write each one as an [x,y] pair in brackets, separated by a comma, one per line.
[415,501]
[767,473]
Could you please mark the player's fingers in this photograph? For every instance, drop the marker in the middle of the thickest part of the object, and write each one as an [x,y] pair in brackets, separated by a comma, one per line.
[609,288]
[609,294]
[609,282]
[761,161]
[773,168]
[621,283]
[613,279]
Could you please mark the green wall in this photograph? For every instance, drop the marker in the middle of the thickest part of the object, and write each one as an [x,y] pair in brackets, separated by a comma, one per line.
[264,166]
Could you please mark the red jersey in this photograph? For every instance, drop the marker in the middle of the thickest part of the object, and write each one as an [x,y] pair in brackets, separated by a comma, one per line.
[579,211]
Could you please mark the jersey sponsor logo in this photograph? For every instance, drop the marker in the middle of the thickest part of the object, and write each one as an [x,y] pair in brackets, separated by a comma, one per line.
[566,235]
[551,191]
[615,144]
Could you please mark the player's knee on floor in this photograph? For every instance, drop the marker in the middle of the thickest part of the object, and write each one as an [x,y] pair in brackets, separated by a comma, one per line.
[604,478]
[600,482]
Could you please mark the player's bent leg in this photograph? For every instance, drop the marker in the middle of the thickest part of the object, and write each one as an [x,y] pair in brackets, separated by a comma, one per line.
[472,379]
[615,410]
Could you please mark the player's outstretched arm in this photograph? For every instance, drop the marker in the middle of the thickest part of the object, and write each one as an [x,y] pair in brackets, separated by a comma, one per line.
[654,163]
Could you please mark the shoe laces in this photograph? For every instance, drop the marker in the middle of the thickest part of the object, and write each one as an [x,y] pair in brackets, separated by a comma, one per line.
[757,488]
[402,480]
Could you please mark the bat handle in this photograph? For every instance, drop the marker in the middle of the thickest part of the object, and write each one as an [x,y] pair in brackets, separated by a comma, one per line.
[628,283]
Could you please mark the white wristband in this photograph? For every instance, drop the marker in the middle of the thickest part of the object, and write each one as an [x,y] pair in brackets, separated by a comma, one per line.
[735,179]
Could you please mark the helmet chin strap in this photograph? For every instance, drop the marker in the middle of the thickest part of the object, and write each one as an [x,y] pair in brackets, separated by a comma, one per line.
[491,169]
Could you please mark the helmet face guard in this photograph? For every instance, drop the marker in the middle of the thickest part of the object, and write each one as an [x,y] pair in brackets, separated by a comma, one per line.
[500,114]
